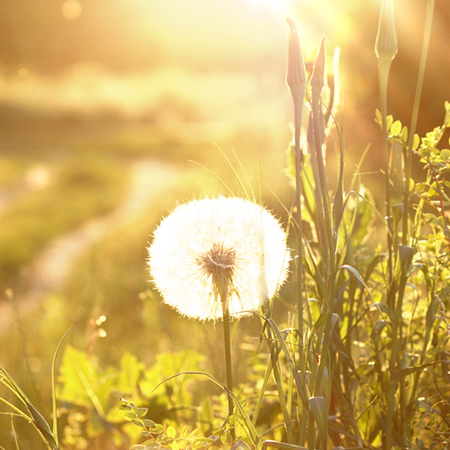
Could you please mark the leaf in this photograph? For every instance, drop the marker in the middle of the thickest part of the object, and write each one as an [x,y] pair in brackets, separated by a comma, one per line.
[409,370]
[81,384]
[315,308]
[377,329]
[404,135]
[131,370]
[381,307]
[405,253]
[248,425]
[171,432]
[320,414]
[157,429]
[389,120]
[141,412]
[358,277]
[396,128]
[38,420]
[55,415]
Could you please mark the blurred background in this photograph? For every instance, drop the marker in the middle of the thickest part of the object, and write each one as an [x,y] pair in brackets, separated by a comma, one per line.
[103,107]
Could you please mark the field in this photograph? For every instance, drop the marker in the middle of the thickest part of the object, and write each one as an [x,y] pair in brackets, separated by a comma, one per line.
[103,133]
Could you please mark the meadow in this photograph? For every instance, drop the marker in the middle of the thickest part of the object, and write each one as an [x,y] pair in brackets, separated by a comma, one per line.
[351,352]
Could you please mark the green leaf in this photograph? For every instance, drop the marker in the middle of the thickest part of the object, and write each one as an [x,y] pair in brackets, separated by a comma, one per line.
[131,371]
[389,121]
[38,420]
[156,429]
[405,135]
[320,414]
[409,370]
[54,409]
[405,253]
[82,384]
[141,412]
[396,128]
[171,432]
[378,117]
[377,329]
[315,308]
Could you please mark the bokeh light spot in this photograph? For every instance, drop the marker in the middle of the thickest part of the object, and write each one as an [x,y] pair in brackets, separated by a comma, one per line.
[23,72]
[71,9]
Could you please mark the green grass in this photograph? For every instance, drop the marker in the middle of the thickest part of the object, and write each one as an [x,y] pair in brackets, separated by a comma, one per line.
[79,189]
[352,353]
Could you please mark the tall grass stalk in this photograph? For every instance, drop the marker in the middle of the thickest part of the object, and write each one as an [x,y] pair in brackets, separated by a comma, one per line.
[296,80]
[415,116]
[386,48]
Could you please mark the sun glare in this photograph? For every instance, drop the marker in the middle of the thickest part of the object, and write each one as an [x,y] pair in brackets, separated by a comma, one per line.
[278,6]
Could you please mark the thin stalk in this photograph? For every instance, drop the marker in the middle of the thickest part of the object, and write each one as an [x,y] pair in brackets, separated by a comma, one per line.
[227,340]
[277,377]
[383,68]
[317,84]
[415,115]
[386,49]
[296,80]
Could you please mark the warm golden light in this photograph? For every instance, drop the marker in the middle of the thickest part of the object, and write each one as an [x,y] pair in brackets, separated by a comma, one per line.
[23,72]
[278,6]
[71,9]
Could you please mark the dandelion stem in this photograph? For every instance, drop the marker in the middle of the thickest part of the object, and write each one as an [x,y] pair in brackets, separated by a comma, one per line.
[227,340]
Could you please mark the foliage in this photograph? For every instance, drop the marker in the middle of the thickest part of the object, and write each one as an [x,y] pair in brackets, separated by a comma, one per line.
[358,360]
[76,192]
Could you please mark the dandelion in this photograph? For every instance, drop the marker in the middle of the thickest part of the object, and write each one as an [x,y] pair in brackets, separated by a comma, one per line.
[218,251]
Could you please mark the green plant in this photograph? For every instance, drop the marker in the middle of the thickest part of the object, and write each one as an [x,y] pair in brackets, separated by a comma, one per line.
[48,435]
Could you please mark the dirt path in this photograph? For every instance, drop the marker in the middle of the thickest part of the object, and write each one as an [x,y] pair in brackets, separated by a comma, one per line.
[53,266]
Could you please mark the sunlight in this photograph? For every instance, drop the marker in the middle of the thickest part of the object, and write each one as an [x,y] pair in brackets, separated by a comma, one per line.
[71,9]
[277,6]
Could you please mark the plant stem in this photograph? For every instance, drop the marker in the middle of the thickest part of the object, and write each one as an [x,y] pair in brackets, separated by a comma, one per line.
[383,69]
[415,115]
[227,340]
[296,80]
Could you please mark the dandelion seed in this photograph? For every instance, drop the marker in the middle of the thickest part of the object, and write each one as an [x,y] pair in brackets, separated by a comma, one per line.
[215,250]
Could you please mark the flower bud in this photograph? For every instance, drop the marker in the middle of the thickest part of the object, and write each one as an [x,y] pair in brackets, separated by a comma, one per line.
[296,74]
[386,42]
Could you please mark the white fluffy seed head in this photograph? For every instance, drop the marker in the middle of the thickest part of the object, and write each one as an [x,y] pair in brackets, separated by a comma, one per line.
[211,246]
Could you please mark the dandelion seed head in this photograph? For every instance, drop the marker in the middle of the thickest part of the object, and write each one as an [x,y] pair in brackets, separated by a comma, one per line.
[207,247]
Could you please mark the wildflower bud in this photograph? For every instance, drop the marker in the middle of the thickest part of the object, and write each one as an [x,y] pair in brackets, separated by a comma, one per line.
[296,74]
[317,83]
[318,75]
[386,42]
